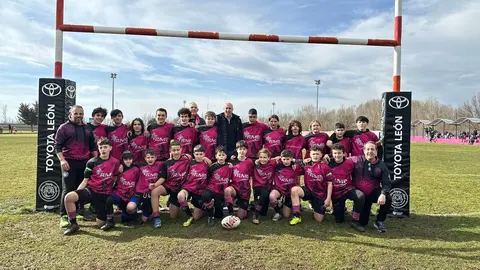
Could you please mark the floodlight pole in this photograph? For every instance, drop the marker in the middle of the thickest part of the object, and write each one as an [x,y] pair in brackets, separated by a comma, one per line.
[113,76]
[317,82]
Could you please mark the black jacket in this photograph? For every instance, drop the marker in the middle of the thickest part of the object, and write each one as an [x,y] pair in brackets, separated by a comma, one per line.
[222,132]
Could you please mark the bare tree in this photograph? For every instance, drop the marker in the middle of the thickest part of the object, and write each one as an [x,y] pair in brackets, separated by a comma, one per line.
[4,114]
[471,108]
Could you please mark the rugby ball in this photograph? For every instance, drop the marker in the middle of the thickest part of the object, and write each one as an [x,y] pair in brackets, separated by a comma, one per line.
[230,222]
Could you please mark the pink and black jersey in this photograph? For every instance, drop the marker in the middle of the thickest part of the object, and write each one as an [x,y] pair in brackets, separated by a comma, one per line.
[343,182]
[160,136]
[263,174]
[286,178]
[99,131]
[137,144]
[359,138]
[175,172]
[186,136]
[319,139]
[346,142]
[370,176]
[149,174]
[75,141]
[207,137]
[242,171]
[253,136]
[316,177]
[125,186]
[219,176]
[273,140]
[296,144]
[118,137]
[101,174]
[197,177]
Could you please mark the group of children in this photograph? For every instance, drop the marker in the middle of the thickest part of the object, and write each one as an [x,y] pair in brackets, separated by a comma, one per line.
[204,176]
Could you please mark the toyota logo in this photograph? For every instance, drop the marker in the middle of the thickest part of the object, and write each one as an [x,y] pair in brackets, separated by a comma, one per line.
[51,89]
[70,91]
[398,102]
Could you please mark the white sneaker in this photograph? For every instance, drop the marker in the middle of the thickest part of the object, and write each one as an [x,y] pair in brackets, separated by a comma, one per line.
[276,217]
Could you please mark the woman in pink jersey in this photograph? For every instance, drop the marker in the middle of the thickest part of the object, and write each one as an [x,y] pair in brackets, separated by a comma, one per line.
[137,140]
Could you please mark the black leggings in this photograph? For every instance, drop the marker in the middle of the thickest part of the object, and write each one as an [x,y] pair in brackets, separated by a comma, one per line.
[382,212]
[260,196]
[71,179]
[358,199]
[217,208]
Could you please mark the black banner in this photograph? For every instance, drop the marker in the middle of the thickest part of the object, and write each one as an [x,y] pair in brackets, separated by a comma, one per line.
[55,97]
[396,129]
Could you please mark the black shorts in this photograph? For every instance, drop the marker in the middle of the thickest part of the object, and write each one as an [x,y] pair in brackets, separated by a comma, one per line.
[242,203]
[287,200]
[144,200]
[195,199]
[98,201]
[172,197]
[317,203]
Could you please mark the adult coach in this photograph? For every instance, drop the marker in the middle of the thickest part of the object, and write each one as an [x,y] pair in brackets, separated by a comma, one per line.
[229,129]
[75,145]
[195,118]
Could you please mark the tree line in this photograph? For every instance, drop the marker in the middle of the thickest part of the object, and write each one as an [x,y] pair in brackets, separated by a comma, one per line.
[428,109]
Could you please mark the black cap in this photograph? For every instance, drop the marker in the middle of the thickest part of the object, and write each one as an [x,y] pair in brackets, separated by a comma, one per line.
[127,155]
[252,111]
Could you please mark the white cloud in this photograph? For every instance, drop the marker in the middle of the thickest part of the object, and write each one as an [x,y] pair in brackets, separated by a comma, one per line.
[438,58]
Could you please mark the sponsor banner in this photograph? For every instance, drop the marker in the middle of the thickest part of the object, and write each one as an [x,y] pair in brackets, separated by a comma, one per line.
[396,129]
[54,102]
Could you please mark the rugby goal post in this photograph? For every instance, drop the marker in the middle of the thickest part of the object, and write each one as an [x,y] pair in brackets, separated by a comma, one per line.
[55,94]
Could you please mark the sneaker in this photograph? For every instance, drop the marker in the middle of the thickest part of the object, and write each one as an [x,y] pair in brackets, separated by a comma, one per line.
[188,222]
[64,221]
[357,226]
[211,221]
[256,219]
[295,220]
[276,217]
[157,222]
[380,226]
[109,225]
[71,229]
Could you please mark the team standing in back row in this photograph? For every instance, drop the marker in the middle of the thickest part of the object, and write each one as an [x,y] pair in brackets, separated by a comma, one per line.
[215,162]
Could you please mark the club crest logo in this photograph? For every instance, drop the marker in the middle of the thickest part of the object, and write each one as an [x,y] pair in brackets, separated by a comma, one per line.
[49,191]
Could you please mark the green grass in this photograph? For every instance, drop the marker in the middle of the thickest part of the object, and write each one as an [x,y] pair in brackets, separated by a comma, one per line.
[442,233]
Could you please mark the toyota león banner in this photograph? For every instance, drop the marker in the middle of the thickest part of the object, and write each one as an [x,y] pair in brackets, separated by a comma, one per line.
[55,97]
[396,129]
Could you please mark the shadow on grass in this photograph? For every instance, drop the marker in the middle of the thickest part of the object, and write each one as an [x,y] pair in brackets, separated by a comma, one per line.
[432,228]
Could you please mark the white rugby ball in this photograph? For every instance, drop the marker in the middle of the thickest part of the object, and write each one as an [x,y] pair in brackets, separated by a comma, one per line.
[230,222]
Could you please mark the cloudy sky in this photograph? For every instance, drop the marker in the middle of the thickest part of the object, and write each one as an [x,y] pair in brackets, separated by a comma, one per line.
[440,53]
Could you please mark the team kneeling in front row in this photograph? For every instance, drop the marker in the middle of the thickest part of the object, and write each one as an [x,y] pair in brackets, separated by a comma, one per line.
[208,187]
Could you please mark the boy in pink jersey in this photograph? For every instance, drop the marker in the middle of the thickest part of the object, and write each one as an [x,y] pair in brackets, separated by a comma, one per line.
[117,134]
[262,182]
[318,187]
[253,134]
[185,132]
[219,175]
[286,176]
[149,174]
[161,133]
[359,137]
[341,139]
[98,129]
[316,137]
[97,185]
[172,176]
[123,191]
[194,185]
[274,137]
[344,189]
[294,141]
[138,140]
[240,188]
[207,135]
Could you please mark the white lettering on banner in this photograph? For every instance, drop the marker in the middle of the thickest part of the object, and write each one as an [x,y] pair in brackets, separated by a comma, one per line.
[397,152]
[50,117]
[50,148]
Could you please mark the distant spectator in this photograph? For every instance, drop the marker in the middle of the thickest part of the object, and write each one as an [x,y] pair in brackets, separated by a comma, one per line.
[10,129]
[1,129]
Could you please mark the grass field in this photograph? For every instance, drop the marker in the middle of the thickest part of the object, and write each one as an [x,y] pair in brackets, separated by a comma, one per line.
[442,233]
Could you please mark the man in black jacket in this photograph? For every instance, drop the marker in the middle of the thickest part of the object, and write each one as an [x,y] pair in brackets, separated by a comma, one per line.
[229,129]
